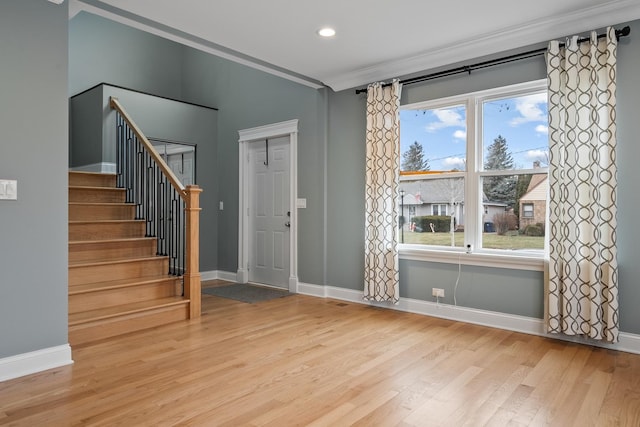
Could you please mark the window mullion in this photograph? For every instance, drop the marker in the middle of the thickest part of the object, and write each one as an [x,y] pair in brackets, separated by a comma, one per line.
[472,198]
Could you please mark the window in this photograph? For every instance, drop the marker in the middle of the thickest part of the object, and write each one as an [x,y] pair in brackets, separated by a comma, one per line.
[439,210]
[470,164]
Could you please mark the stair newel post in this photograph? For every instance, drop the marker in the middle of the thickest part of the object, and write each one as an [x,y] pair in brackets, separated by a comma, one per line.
[192,286]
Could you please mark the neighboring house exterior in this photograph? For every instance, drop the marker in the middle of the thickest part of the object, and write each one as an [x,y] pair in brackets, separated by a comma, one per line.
[533,204]
[440,197]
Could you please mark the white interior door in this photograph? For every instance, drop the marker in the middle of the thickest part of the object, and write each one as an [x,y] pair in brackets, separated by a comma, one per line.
[269,212]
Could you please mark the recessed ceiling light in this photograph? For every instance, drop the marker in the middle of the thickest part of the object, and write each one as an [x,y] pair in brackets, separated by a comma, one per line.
[327,32]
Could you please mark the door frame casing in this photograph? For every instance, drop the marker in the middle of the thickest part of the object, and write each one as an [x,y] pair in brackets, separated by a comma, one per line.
[247,137]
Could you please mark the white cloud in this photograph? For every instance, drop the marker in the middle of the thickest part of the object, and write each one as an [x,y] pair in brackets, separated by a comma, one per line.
[542,129]
[529,109]
[460,134]
[447,118]
[454,163]
[538,155]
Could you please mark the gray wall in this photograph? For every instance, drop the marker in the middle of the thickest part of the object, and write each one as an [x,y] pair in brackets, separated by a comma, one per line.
[85,128]
[628,178]
[248,98]
[33,150]
[117,54]
[501,290]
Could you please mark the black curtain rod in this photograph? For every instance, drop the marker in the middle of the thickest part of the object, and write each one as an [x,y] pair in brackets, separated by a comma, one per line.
[492,62]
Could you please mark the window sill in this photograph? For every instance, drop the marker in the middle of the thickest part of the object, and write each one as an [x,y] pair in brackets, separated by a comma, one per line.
[532,262]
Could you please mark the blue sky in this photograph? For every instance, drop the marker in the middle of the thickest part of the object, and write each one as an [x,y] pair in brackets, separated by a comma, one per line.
[522,121]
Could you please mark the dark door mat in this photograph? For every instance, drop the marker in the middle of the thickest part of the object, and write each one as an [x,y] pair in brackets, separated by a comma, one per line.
[246,293]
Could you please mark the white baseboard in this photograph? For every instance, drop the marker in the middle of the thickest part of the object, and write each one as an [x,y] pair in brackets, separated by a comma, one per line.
[218,275]
[313,290]
[35,361]
[103,167]
[628,342]
[227,275]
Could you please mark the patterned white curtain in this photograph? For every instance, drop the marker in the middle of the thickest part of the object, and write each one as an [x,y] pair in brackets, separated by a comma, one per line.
[582,289]
[381,276]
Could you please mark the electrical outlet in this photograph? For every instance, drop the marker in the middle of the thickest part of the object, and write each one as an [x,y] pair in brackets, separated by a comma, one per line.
[437,292]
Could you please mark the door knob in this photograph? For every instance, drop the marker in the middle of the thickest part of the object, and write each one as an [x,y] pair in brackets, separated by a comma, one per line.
[287,224]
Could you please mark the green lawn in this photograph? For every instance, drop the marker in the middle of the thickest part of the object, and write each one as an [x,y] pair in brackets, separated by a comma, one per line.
[512,240]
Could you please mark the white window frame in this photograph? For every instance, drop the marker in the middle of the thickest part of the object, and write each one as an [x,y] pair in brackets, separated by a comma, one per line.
[440,206]
[522,260]
[524,211]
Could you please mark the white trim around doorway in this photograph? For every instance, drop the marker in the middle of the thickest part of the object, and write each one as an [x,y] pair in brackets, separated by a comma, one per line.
[246,137]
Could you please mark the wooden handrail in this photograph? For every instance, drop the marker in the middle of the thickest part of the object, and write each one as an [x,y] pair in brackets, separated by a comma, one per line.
[191,197]
[175,182]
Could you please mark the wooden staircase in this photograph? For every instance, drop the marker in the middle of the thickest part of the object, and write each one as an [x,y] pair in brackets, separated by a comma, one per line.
[117,283]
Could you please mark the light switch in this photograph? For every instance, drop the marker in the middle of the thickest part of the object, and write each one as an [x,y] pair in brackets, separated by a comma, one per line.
[301,203]
[8,189]
[221,205]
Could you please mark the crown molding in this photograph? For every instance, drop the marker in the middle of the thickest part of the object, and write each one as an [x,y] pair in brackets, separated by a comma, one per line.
[536,32]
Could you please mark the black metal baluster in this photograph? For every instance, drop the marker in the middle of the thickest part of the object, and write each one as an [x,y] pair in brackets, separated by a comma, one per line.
[182,230]
[170,222]
[148,181]
[130,166]
[155,199]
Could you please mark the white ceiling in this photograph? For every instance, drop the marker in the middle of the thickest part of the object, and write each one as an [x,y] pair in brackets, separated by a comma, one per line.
[376,39]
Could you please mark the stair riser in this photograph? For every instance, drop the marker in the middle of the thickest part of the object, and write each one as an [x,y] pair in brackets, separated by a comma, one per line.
[91,179]
[128,270]
[99,231]
[105,251]
[96,195]
[97,330]
[114,297]
[101,212]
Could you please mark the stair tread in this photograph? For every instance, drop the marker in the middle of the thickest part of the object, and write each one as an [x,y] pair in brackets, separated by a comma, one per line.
[101,203]
[124,309]
[93,187]
[121,283]
[114,240]
[92,173]
[105,221]
[89,263]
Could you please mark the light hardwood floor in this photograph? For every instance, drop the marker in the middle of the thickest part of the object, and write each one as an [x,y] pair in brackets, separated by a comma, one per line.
[308,361]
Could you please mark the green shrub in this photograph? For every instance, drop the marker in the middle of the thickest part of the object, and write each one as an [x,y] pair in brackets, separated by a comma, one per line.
[534,230]
[441,224]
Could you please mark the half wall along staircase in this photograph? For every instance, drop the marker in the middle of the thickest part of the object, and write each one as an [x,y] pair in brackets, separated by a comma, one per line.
[117,282]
